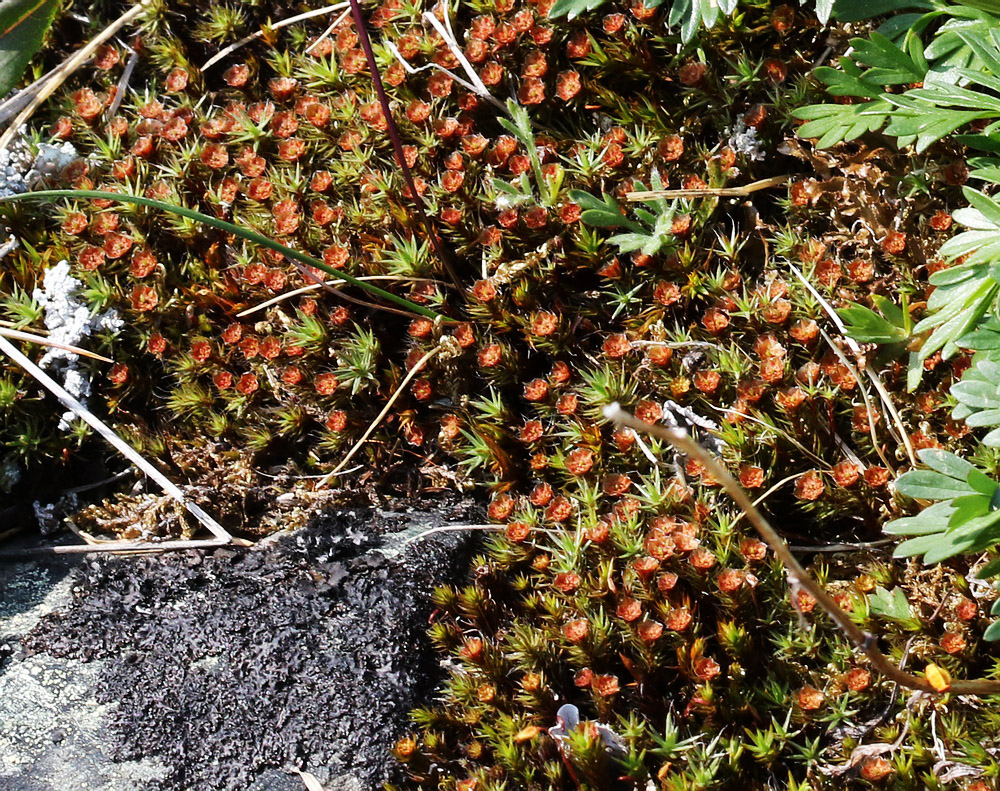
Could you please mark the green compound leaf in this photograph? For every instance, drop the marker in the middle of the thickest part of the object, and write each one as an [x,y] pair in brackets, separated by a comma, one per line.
[929,485]
[23,24]
[866,326]
[228,227]
[602,212]
[893,605]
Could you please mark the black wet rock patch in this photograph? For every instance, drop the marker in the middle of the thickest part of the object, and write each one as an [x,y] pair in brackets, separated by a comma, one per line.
[309,651]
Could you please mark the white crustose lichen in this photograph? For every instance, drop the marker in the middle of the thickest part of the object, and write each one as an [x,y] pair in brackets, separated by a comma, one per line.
[68,321]
[743,140]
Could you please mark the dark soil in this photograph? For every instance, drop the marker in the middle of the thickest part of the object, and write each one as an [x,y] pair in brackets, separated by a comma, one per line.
[307,651]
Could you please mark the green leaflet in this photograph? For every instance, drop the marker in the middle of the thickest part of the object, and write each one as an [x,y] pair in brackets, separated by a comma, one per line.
[894,606]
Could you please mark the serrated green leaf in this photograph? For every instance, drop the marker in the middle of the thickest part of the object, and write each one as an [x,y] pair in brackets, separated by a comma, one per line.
[889,64]
[890,310]
[629,242]
[893,605]
[968,507]
[866,326]
[833,123]
[601,213]
[981,482]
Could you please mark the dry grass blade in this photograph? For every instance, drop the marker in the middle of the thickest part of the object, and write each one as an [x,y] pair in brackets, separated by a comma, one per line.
[276,26]
[58,76]
[114,440]
[314,286]
[19,335]
[709,192]
[381,416]
[873,376]
[310,780]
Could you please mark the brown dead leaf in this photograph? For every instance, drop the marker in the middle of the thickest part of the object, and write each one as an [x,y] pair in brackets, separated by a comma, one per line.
[860,753]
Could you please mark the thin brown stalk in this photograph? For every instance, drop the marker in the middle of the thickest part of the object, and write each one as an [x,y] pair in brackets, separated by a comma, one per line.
[355,300]
[122,547]
[871,372]
[869,406]
[314,286]
[867,643]
[397,144]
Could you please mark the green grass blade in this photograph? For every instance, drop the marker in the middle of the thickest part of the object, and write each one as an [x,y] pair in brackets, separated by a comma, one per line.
[228,227]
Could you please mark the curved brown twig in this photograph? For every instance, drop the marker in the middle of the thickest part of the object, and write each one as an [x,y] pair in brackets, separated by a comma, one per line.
[864,641]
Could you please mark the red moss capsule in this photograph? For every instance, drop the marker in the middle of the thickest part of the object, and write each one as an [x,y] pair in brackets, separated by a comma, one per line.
[567,582]
[326,384]
[247,384]
[157,344]
[176,81]
[578,45]
[282,88]
[87,104]
[580,461]
[576,631]
[858,679]
[91,258]
[536,390]
[117,244]
[236,76]
[559,510]
[679,620]
[517,531]
[629,609]
[75,224]
[214,156]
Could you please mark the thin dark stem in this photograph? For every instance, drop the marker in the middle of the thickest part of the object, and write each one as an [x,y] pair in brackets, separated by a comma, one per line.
[397,143]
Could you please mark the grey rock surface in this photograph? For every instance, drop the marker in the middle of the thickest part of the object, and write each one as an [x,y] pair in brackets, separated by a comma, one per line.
[50,721]
[223,670]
